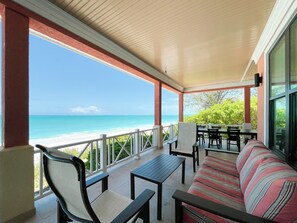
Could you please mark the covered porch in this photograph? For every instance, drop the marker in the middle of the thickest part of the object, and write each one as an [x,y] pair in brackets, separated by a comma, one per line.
[187,47]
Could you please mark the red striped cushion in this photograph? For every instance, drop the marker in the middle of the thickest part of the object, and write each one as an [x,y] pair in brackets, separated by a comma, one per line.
[220,181]
[191,214]
[245,153]
[257,156]
[272,192]
[221,165]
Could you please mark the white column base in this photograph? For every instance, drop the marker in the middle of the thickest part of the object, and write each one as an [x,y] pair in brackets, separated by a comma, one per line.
[16,183]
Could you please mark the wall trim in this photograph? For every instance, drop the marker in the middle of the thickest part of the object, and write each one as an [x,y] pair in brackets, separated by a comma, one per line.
[281,15]
[239,84]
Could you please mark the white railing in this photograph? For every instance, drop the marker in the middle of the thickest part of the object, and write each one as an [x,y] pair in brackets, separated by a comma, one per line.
[102,153]
[169,132]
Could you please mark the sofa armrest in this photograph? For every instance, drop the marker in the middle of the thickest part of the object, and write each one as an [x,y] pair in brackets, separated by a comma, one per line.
[212,207]
[140,204]
[100,177]
[219,151]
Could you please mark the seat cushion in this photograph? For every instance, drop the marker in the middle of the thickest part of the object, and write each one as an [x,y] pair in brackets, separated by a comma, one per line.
[109,205]
[222,165]
[245,153]
[191,214]
[272,192]
[221,181]
[181,149]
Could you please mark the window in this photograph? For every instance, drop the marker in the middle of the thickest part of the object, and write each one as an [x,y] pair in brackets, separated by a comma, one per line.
[278,68]
[294,135]
[293,55]
[279,124]
[283,96]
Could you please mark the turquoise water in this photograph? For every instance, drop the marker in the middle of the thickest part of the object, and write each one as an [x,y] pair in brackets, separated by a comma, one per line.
[48,126]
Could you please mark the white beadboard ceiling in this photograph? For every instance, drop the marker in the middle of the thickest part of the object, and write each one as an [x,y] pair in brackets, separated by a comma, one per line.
[196,43]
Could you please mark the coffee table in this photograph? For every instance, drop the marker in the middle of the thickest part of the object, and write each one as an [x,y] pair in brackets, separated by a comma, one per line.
[157,171]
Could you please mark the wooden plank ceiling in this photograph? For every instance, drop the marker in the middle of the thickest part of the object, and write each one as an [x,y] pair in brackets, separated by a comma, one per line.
[194,42]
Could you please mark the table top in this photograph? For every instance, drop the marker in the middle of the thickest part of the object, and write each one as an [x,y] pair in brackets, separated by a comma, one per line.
[158,169]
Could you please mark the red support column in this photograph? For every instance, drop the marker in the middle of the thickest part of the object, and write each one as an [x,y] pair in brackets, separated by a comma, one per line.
[181,107]
[15,79]
[158,103]
[247,105]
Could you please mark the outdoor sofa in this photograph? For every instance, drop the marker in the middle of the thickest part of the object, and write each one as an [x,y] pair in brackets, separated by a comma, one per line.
[257,187]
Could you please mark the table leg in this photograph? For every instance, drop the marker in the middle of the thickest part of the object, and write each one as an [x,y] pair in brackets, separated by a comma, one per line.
[132,179]
[159,202]
[183,172]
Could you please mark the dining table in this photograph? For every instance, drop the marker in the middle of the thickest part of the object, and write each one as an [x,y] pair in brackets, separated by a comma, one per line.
[246,132]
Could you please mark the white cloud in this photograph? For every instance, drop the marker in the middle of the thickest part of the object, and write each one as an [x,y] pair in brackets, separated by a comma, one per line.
[85,110]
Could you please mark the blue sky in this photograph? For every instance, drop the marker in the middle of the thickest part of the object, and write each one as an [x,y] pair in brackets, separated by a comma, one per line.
[66,83]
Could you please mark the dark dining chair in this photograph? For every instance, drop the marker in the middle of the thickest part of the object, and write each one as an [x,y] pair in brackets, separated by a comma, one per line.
[214,136]
[216,126]
[233,127]
[200,135]
[65,175]
[233,135]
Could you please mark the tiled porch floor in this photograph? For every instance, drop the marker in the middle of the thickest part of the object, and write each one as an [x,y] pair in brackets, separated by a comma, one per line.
[119,181]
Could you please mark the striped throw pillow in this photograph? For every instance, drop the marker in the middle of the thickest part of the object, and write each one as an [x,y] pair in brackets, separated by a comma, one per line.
[272,192]
[257,156]
[245,153]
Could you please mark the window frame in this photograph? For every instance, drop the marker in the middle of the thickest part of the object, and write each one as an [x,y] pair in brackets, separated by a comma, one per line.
[290,153]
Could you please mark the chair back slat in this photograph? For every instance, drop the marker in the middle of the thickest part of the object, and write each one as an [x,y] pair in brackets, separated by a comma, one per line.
[233,134]
[213,133]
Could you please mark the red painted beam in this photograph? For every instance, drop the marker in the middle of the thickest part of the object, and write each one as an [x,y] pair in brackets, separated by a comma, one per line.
[181,107]
[158,103]
[15,78]
[247,105]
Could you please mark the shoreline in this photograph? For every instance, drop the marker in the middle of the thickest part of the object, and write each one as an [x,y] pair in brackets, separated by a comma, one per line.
[83,136]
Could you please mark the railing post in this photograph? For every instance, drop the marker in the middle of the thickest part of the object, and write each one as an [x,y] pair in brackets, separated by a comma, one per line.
[91,158]
[171,132]
[158,136]
[41,174]
[103,153]
[137,144]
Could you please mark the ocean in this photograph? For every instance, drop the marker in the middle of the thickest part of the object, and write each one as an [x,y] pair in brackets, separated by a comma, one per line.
[52,126]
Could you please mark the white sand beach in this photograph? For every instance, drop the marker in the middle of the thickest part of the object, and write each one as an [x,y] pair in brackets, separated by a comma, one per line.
[83,136]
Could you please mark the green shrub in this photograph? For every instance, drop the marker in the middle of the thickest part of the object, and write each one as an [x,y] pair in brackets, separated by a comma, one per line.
[228,113]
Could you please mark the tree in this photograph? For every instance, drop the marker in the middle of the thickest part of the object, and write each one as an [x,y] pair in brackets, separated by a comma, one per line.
[227,113]
[205,100]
